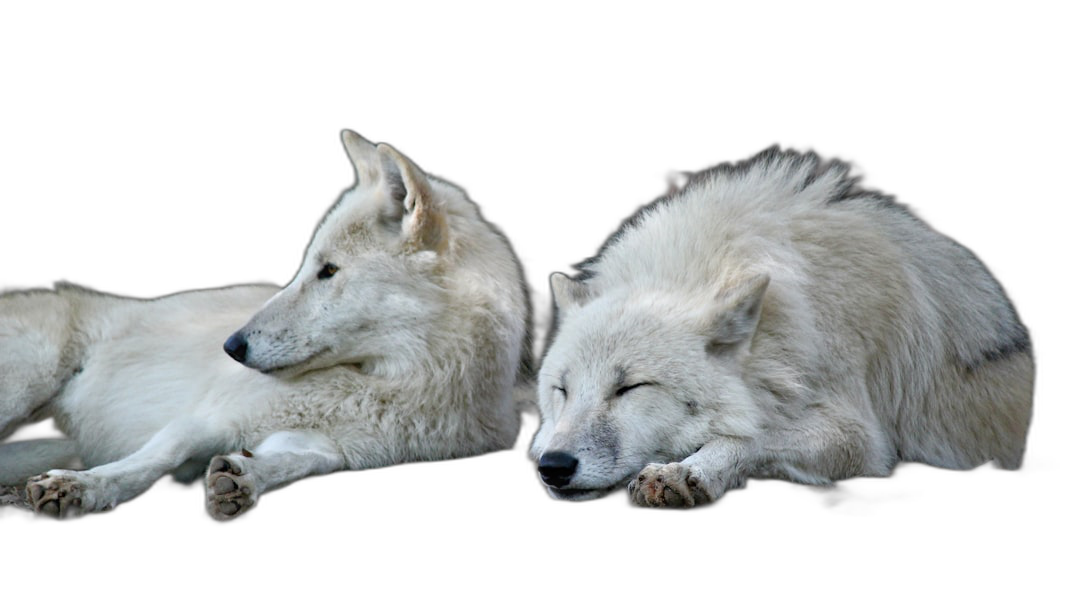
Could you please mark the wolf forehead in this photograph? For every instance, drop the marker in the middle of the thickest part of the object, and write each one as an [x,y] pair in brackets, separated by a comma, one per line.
[615,340]
[633,308]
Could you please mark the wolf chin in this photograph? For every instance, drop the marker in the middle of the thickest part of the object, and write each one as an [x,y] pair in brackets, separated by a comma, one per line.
[773,319]
[403,337]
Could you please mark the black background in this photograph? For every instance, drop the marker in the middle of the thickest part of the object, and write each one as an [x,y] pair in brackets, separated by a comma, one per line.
[144,176]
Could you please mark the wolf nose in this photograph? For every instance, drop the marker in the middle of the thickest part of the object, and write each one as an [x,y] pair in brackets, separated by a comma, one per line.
[557,467]
[236,347]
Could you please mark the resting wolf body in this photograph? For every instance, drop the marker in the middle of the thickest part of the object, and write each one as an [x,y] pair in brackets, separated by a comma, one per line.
[402,337]
[773,319]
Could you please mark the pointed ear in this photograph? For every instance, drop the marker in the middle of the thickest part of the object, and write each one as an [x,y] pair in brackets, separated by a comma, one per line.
[365,159]
[567,292]
[423,221]
[737,313]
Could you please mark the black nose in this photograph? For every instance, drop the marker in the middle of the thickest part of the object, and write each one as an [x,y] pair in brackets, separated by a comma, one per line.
[236,347]
[557,467]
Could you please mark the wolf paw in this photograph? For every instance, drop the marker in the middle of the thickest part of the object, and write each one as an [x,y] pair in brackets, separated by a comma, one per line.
[59,493]
[230,490]
[671,485]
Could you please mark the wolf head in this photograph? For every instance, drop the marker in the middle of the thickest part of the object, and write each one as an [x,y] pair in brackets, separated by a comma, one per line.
[368,287]
[636,376]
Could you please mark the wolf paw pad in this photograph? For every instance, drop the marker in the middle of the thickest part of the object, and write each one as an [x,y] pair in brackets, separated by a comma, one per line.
[56,494]
[230,490]
[671,485]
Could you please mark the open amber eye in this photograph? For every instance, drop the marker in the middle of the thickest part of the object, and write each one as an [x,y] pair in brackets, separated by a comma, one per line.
[327,271]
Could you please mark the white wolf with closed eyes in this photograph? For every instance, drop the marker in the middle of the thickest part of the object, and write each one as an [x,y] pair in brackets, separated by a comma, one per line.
[772,319]
[402,337]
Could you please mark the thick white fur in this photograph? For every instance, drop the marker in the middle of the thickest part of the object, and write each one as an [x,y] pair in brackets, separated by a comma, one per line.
[779,322]
[410,351]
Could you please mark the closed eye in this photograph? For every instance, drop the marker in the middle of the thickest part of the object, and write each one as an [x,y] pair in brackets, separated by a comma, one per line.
[560,390]
[622,390]
[327,271]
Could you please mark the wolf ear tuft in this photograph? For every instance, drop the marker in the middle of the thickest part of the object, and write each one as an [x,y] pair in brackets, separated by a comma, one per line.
[362,153]
[423,222]
[567,292]
[737,314]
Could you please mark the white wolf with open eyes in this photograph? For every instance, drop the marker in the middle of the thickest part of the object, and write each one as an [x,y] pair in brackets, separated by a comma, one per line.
[402,337]
[772,319]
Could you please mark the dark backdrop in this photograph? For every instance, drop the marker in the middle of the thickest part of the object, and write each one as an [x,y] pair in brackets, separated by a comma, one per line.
[146,182]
